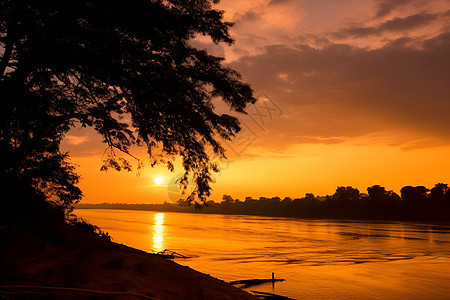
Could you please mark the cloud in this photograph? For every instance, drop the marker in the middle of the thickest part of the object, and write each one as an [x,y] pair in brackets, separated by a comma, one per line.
[394,25]
[83,142]
[76,140]
[276,2]
[340,92]
[248,16]
[202,42]
[385,7]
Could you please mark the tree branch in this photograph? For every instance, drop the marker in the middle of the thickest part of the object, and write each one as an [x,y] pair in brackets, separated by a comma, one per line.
[7,54]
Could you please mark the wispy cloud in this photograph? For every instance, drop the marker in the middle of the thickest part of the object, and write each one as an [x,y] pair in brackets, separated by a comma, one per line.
[385,7]
[76,140]
[396,24]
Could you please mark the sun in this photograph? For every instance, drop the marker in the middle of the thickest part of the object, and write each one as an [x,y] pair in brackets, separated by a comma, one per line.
[159,180]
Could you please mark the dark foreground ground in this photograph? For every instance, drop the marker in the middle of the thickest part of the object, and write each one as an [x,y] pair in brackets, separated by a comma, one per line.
[72,263]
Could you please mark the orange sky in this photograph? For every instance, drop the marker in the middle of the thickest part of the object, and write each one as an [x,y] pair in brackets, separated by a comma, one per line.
[351,93]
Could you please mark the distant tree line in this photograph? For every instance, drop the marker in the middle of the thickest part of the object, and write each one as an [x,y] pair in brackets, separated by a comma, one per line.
[414,203]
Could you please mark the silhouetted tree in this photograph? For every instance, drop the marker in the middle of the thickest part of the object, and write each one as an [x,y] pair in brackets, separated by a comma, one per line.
[346,202]
[439,195]
[414,195]
[345,198]
[382,200]
[227,199]
[249,199]
[286,200]
[310,196]
[376,192]
[303,206]
[125,68]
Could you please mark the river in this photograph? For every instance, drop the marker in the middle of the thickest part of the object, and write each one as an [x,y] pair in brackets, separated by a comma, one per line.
[319,259]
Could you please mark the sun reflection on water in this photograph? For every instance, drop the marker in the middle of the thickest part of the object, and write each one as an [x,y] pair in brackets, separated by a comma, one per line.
[158,232]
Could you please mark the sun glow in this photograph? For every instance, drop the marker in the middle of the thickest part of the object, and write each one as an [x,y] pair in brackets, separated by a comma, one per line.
[158,232]
[159,180]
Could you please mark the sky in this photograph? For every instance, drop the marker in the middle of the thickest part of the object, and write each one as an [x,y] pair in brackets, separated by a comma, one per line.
[350,93]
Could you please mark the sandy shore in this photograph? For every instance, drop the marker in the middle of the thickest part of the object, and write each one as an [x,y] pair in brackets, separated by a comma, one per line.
[84,266]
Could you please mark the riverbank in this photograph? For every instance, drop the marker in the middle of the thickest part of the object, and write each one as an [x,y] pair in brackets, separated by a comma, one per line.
[72,263]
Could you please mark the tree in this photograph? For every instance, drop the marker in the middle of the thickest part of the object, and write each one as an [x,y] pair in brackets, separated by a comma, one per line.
[127,69]
[414,195]
[439,194]
[345,198]
[227,199]
[380,199]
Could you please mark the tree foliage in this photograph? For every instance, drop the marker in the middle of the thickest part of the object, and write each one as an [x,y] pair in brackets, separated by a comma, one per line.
[126,68]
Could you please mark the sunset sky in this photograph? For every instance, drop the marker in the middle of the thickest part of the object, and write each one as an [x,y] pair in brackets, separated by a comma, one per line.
[351,92]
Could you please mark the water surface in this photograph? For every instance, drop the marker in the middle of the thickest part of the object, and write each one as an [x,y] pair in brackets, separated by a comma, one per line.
[319,259]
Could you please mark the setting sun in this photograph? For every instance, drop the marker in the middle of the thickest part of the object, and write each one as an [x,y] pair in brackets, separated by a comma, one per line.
[159,180]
